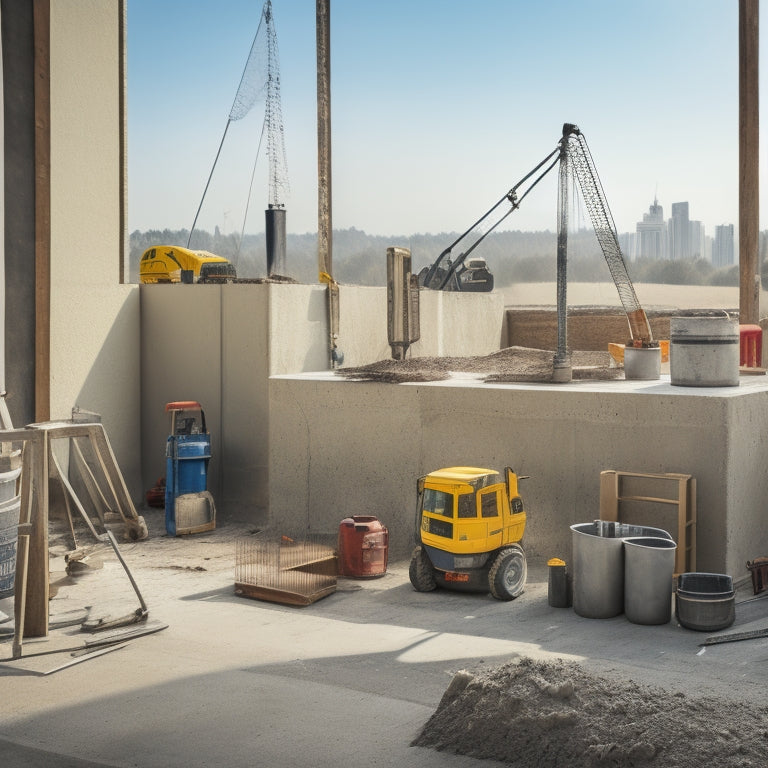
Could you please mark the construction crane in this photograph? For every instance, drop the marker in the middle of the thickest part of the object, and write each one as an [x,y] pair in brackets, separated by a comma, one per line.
[259,82]
[273,117]
[576,152]
[574,158]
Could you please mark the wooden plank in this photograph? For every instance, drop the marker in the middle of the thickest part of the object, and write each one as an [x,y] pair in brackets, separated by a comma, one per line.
[609,495]
[685,501]
[36,593]
[41,15]
[654,499]
[283,596]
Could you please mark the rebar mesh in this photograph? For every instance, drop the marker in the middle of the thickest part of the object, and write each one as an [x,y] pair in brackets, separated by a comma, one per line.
[280,569]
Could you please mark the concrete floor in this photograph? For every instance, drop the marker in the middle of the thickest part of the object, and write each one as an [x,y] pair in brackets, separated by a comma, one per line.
[349,679]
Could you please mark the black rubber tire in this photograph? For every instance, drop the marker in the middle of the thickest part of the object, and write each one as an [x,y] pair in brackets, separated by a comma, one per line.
[420,571]
[507,575]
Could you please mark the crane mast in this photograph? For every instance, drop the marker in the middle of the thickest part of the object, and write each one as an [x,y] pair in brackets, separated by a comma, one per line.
[273,118]
[577,155]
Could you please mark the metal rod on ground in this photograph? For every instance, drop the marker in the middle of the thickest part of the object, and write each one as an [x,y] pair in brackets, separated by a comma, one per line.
[111,639]
[735,637]
[87,657]
[112,541]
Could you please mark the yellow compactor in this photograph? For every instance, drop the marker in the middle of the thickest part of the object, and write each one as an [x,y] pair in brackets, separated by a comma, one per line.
[469,528]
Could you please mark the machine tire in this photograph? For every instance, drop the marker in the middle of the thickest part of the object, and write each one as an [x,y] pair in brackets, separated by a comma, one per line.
[420,571]
[507,575]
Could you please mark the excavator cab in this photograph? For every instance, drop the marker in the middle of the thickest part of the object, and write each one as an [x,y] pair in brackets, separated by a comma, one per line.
[469,527]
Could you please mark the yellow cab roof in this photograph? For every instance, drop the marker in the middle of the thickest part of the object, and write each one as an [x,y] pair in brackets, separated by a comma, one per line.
[207,255]
[462,474]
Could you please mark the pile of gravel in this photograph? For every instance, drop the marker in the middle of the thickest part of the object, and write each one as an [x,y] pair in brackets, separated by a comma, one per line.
[556,714]
[512,364]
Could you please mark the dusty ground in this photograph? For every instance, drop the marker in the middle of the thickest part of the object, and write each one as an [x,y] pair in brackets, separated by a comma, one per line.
[554,714]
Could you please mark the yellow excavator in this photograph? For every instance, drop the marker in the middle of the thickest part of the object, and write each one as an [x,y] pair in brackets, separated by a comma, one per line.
[469,528]
[174,264]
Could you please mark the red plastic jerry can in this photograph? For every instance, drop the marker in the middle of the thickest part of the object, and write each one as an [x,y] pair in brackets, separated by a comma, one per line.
[363,547]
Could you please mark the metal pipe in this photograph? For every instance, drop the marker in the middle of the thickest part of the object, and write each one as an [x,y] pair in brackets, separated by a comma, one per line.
[562,363]
[275,235]
[324,218]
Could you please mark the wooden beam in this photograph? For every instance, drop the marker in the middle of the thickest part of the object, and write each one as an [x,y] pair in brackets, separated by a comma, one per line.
[749,176]
[42,84]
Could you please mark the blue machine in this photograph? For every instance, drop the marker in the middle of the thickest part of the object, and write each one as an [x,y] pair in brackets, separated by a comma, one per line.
[187,453]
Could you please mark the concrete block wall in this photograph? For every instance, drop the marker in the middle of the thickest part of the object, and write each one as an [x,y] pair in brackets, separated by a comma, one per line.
[220,344]
[588,329]
[94,319]
[362,451]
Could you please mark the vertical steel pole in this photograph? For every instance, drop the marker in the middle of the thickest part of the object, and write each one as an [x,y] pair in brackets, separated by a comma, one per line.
[562,362]
[324,219]
[749,169]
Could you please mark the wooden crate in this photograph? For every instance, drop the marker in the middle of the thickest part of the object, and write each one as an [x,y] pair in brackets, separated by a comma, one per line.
[619,490]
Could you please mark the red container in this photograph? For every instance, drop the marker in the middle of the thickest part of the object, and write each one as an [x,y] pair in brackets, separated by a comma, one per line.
[363,547]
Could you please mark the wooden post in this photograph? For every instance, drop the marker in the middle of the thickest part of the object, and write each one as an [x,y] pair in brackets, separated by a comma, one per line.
[41,10]
[37,593]
[749,189]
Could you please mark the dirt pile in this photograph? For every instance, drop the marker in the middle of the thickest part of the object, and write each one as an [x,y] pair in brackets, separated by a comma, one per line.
[512,364]
[557,714]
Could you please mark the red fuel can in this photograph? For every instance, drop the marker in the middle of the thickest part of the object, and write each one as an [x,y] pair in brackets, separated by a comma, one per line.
[363,547]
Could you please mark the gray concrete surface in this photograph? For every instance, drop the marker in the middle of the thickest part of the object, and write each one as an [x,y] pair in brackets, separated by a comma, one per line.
[343,445]
[347,680]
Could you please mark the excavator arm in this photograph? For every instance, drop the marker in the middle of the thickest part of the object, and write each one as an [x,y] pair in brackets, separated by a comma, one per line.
[573,150]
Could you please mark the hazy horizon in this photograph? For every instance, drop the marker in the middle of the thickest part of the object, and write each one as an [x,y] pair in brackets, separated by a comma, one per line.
[438,108]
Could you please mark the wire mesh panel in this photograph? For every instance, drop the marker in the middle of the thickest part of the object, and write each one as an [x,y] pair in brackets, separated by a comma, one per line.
[282,570]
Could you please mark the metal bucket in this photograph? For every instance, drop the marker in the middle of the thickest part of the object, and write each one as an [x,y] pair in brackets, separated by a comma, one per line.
[598,565]
[642,363]
[704,351]
[649,564]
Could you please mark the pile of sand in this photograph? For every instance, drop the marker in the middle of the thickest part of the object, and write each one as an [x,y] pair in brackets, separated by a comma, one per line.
[549,714]
[513,364]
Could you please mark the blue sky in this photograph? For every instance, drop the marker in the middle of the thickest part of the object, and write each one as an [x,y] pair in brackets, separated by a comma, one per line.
[438,108]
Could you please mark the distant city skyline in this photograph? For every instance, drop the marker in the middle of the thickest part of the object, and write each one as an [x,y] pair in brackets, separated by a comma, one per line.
[438,108]
[679,237]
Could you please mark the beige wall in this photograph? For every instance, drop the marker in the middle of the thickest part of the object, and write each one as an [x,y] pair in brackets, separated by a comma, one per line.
[94,322]
[362,452]
[219,344]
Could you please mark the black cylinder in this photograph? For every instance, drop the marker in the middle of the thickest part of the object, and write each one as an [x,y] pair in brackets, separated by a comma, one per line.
[558,587]
[275,230]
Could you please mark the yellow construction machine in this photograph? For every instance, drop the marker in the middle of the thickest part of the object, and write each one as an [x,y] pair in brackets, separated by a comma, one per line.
[469,527]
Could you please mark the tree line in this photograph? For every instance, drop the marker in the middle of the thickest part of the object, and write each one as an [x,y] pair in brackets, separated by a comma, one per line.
[512,256]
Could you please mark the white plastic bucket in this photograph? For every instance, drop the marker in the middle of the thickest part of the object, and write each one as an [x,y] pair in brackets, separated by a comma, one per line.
[642,363]
[8,483]
[704,351]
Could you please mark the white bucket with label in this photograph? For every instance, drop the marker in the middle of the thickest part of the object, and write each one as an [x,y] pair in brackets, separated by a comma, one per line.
[704,351]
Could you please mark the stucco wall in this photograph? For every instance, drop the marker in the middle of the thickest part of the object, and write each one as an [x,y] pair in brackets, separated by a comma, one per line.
[362,451]
[219,344]
[94,320]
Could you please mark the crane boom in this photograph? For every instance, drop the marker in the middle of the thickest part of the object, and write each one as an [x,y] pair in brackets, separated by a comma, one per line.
[583,166]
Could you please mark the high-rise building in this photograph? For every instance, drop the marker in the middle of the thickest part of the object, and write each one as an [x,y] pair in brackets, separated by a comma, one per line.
[651,233]
[697,242]
[722,248]
[679,232]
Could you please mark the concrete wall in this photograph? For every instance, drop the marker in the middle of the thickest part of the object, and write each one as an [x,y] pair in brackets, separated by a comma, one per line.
[219,344]
[362,451]
[94,320]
